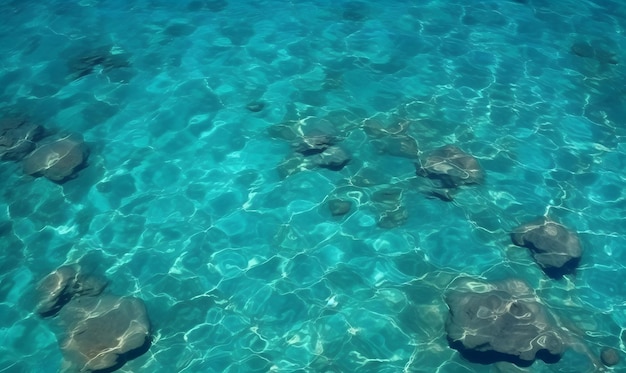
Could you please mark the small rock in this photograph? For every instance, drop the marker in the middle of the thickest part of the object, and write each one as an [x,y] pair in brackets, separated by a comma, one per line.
[609,356]
[582,49]
[393,218]
[334,158]
[398,146]
[443,194]
[256,106]
[339,207]
[390,197]
[598,52]
[312,145]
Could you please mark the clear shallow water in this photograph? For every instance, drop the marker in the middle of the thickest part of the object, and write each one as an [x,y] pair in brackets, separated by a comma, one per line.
[242,270]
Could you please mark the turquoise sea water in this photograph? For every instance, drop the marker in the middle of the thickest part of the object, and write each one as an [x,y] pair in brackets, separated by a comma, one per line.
[242,267]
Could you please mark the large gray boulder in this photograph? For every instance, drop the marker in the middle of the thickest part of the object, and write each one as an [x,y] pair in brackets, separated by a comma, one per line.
[104,332]
[491,322]
[554,247]
[451,167]
[57,158]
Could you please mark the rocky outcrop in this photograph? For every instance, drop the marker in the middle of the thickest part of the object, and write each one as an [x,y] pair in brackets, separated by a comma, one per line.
[104,332]
[491,322]
[554,247]
[97,332]
[65,283]
[451,167]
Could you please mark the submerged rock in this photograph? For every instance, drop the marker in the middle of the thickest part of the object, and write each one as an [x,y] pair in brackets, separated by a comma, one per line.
[554,247]
[65,283]
[333,158]
[104,332]
[108,58]
[58,158]
[391,210]
[17,138]
[451,167]
[339,207]
[594,50]
[97,332]
[314,135]
[609,356]
[255,106]
[398,146]
[491,322]
[312,145]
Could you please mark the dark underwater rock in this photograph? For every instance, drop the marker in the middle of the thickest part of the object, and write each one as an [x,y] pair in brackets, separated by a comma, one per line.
[355,11]
[443,194]
[554,247]
[215,5]
[17,137]
[178,29]
[290,166]
[103,57]
[389,205]
[398,146]
[609,356]
[339,207]
[256,106]
[333,158]
[58,158]
[451,167]
[311,145]
[313,141]
[104,332]
[594,50]
[315,136]
[65,283]
[491,322]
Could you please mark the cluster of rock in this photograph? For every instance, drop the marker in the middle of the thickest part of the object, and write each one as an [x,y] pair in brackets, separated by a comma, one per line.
[488,322]
[449,168]
[314,143]
[53,156]
[99,331]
